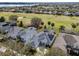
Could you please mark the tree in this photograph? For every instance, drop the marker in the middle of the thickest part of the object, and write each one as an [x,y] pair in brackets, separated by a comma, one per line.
[21,24]
[73,25]
[49,27]
[45,27]
[2,19]
[42,23]
[62,28]
[49,22]
[36,22]
[13,17]
[52,24]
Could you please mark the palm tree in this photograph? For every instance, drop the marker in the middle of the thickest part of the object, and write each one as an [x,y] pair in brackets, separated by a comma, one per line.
[73,26]
[52,24]
[45,27]
[62,28]
[49,23]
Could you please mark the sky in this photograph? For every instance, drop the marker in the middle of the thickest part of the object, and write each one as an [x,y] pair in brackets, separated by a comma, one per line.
[35,1]
[39,0]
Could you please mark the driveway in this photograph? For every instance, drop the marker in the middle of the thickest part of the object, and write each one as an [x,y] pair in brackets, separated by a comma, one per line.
[60,42]
[64,39]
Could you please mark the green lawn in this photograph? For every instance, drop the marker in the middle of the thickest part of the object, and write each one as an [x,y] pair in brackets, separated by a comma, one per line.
[58,20]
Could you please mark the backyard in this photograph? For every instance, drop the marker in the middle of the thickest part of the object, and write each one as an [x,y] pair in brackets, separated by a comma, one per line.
[59,20]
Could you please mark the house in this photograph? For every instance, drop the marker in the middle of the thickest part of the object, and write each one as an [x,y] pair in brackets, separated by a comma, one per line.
[73,50]
[67,14]
[14,32]
[27,34]
[13,22]
[54,12]
[4,27]
[76,13]
[59,13]
[43,39]
[37,39]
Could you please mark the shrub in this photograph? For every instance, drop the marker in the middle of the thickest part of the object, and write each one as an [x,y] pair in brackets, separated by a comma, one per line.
[21,24]
[13,17]
[73,25]
[36,22]
[2,19]
[42,23]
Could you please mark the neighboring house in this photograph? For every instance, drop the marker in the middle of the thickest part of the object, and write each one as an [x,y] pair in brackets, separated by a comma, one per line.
[14,32]
[13,22]
[74,49]
[27,34]
[67,14]
[59,13]
[76,13]
[54,12]
[4,27]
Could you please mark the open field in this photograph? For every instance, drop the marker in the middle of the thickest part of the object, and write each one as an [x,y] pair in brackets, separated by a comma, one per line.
[57,19]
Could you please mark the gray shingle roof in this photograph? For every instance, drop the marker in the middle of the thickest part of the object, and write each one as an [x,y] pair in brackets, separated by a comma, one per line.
[2,23]
[27,34]
[36,39]
[4,27]
[42,39]
[14,32]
